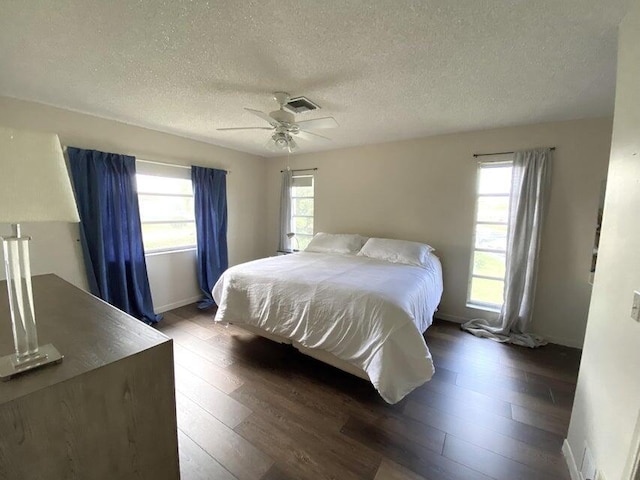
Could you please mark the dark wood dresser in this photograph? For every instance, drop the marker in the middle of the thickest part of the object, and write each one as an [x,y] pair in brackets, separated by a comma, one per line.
[106,412]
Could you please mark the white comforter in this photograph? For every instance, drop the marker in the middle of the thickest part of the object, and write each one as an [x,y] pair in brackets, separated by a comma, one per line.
[367,312]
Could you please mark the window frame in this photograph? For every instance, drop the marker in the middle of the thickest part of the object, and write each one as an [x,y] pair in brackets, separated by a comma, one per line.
[164,171]
[475,304]
[294,198]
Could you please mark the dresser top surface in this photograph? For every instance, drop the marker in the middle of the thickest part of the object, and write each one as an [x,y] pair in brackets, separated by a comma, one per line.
[89,333]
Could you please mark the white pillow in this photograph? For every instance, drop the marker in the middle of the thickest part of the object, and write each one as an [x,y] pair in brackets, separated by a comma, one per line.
[336,243]
[397,251]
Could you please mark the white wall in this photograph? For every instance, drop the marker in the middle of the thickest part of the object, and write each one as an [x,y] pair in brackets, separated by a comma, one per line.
[172,276]
[607,401]
[424,190]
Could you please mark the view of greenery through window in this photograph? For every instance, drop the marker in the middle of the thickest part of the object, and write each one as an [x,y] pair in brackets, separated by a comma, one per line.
[490,233]
[302,210]
[166,213]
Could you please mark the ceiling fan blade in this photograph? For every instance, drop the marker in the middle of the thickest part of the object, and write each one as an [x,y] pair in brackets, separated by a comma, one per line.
[263,116]
[325,122]
[310,136]
[244,128]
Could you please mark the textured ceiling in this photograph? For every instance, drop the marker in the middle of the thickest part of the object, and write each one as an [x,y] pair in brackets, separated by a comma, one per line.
[386,70]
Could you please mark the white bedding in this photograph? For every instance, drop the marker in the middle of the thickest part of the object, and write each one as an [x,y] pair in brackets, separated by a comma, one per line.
[367,312]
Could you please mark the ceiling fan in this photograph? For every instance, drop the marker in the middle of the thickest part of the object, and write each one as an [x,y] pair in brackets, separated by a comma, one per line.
[284,126]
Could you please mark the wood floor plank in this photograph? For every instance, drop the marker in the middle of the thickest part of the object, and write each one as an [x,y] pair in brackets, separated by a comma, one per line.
[304,454]
[197,330]
[550,423]
[542,369]
[562,392]
[553,383]
[487,362]
[534,397]
[461,397]
[416,458]
[489,463]
[548,460]
[200,347]
[196,464]
[233,452]
[489,354]
[485,382]
[457,405]
[192,311]
[392,471]
[469,366]
[537,437]
[219,377]
[444,375]
[188,325]
[206,320]
[563,400]
[419,433]
[277,403]
[276,473]
[226,409]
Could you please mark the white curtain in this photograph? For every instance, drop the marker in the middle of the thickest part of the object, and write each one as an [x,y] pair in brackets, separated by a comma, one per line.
[285,210]
[529,199]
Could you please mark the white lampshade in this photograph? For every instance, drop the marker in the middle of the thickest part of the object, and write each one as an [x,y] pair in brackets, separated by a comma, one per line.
[34,182]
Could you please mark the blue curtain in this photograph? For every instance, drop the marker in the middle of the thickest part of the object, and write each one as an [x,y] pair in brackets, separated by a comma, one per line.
[210,199]
[110,231]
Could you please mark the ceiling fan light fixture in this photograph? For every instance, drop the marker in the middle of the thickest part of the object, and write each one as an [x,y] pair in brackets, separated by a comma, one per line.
[282,140]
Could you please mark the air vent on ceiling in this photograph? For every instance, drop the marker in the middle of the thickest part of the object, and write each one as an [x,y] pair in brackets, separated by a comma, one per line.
[301,105]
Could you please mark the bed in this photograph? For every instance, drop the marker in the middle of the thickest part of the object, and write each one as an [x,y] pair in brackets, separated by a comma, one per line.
[363,315]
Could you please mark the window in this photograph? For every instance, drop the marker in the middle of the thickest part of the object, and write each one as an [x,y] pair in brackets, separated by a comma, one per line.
[486,283]
[166,212]
[302,210]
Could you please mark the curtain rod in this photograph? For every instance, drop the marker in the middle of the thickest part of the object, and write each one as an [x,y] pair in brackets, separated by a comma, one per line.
[172,164]
[64,148]
[302,170]
[498,153]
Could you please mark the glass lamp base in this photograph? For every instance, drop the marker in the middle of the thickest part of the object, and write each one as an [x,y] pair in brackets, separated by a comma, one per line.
[10,366]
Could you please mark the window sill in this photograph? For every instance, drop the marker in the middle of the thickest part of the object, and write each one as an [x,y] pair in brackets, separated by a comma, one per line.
[486,308]
[153,253]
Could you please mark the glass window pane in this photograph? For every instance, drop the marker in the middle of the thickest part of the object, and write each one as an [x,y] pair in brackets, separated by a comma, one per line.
[168,235]
[493,209]
[495,179]
[303,225]
[487,291]
[489,264]
[303,206]
[302,191]
[302,181]
[156,208]
[493,237]
[153,184]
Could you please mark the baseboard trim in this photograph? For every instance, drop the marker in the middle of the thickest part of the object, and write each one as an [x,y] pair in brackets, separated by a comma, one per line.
[571,461]
[558,341]
[178,304]
[450,318]
[563,342]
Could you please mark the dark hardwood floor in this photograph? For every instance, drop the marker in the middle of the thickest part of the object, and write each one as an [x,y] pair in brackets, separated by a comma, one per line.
[249,408]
